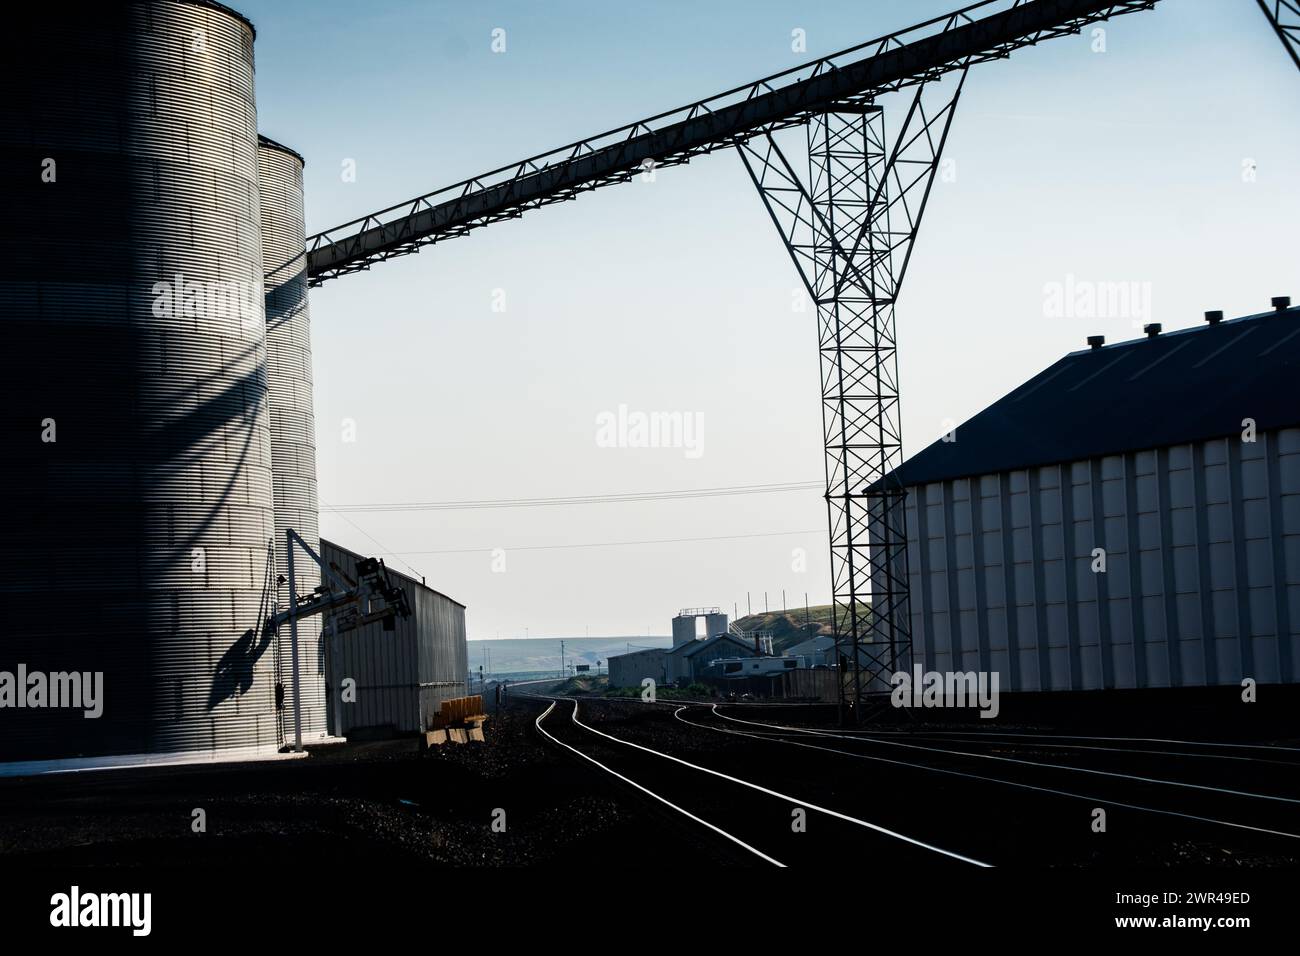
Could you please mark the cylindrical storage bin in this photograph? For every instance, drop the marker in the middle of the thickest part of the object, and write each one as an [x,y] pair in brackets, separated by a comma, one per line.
[293,423]
[136,565]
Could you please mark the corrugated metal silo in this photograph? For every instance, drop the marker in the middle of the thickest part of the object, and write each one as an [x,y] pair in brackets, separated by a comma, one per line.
[138,471]
[293,423]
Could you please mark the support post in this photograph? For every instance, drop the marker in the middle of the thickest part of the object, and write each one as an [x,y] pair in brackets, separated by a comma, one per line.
[293,644]
[849,227]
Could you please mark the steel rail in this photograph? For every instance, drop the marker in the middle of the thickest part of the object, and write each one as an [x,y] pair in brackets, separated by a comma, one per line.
[885,831]
[1024,742]
[646,790]
[1017,760]
[930,768]
[1030,735]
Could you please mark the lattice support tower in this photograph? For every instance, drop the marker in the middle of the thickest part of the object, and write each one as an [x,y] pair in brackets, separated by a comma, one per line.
[850,225]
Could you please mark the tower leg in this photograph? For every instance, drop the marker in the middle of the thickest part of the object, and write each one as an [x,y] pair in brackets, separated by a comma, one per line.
[1284,18]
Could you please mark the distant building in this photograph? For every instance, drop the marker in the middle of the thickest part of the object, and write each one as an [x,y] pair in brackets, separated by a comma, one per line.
[686,662]
[689,656]
[818,651]
[685,624]
[1129,517]
[628,670]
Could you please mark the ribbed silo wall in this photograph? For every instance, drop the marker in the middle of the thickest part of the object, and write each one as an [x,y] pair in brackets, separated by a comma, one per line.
[293,422]
[136,541]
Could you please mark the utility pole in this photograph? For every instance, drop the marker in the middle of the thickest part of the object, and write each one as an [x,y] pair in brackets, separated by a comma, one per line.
[783,600]
[749,608]
[767,609]
[561,659]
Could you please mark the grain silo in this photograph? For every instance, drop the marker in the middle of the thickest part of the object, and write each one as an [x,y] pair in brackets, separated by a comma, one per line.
[293,423]
[136,428]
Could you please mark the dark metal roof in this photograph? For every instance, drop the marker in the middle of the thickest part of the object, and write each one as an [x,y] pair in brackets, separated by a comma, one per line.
[691,648]
[1189,385]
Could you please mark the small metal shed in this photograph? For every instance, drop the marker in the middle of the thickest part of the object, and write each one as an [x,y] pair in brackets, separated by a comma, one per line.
[402,676]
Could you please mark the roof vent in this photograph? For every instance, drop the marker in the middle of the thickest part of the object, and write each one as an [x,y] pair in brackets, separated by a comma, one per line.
[1281,302]
[1152,329]
[1096,341]
[1215,317]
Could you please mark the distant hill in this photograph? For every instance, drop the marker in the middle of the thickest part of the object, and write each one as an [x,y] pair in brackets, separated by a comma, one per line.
[519,658]
[794,625]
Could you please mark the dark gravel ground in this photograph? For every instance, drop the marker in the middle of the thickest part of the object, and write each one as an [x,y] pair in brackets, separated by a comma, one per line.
[387,803]
[368,803]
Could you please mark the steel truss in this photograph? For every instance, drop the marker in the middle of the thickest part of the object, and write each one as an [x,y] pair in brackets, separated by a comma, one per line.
[1284,15]
[850,228]
[979,32]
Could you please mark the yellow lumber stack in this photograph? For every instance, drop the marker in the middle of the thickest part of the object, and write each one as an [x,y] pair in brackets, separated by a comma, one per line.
[459,720]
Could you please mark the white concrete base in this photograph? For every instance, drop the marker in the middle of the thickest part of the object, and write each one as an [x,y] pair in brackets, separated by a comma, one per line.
[127,761]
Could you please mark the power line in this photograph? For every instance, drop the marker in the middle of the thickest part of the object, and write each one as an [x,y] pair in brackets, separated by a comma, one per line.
[467,505]
[394,554]
[608,544]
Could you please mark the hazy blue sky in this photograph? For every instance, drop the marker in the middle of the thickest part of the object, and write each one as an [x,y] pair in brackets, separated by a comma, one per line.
[676,295]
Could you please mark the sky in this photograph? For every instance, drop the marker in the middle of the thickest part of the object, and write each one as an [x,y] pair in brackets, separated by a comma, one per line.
[1164,156]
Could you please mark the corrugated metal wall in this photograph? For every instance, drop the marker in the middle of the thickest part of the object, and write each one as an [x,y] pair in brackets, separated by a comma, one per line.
[402,676]
[628,670]
[130,301]
[1202,579]
[293,421]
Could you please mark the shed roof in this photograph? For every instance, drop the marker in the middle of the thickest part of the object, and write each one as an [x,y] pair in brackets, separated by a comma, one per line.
[405,578]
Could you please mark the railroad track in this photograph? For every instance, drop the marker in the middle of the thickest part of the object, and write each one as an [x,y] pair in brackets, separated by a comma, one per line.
[1158,790]
[752,817]
[1004,797]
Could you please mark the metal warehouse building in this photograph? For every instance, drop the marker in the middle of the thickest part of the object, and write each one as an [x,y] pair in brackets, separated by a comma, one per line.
[401,676]
[628,670]
[1130,517]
